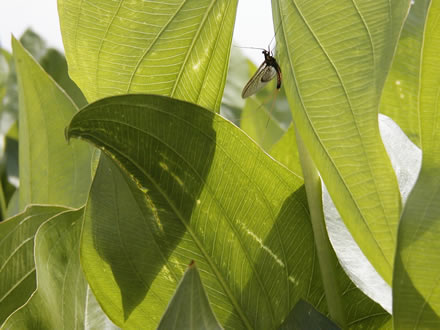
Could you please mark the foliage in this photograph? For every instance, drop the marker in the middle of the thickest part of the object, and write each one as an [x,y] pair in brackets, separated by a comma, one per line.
[100,232]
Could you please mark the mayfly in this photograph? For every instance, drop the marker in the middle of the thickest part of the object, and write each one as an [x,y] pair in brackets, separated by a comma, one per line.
[265,73]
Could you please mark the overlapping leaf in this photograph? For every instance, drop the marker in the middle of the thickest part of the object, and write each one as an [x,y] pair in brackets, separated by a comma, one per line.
[17,265]
[401,93]
[189,308]
[179,48]
[335,57]
[51,171]
[204,192]
[416,289]
[61,299]
[194,187]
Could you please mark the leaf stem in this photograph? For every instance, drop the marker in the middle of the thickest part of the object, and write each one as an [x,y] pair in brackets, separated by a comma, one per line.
[326,256]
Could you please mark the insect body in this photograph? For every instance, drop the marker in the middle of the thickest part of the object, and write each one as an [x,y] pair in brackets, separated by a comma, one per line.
[265,73]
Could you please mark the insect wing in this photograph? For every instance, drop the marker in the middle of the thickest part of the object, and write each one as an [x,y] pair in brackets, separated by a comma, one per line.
[264,74]
[268,74]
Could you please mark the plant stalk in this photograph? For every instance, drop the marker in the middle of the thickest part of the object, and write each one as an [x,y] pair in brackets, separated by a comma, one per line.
[326,256]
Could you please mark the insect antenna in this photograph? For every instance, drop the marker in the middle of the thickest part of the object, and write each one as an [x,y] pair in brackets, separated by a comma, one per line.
[274,35]
[249,47]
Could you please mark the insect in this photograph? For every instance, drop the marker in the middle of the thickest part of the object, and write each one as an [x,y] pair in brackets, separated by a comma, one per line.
[265,73]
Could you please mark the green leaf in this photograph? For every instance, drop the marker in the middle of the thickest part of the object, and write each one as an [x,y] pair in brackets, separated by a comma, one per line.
[416,294]
[51,171]
[60,300]
[401,93]
[334,60]
[180,49]
[203,192]
[194,187]
[304,317]
[17,267]
[406,160]
[189,308]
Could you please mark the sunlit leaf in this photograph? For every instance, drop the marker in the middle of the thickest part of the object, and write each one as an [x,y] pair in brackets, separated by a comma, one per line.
[401,93]
[334,60]
[179,48]
[416,286]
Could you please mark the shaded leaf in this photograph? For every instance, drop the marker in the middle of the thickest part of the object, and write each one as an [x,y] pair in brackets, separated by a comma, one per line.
[189,308]
[304,317]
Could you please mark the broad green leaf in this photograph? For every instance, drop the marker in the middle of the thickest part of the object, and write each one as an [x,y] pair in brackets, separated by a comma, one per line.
[179,48]
[60,301]
[335,59]
[189,308]
[406,160]
[401,92]
[305,317]
[194,187]
[416,290]
[204,192]
[17,266]
[51,171]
